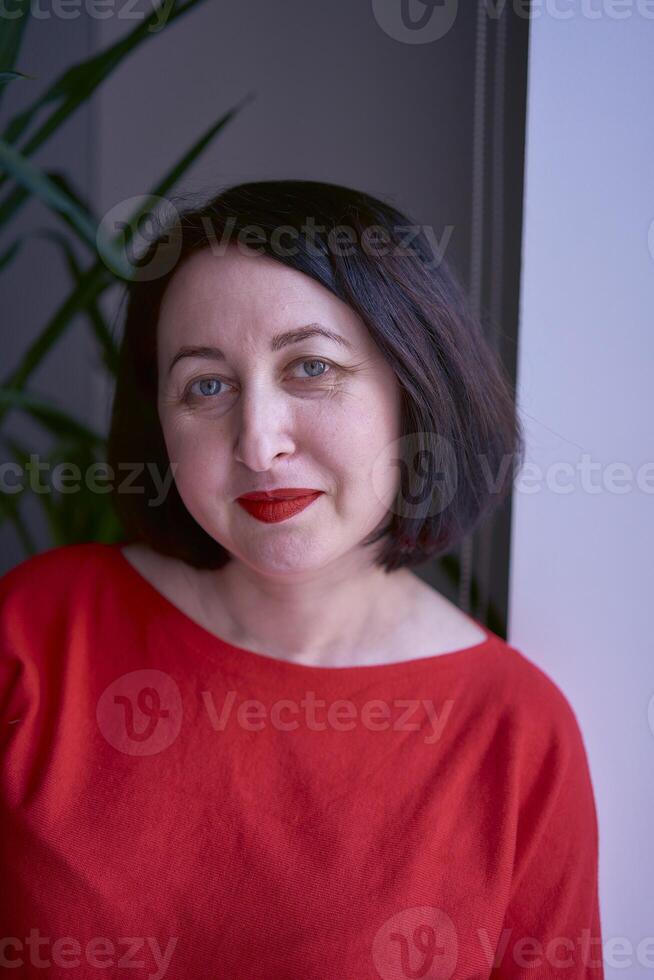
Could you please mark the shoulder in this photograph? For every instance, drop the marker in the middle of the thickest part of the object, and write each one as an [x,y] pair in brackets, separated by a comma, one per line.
[53,570]
[534,690]
[40,602]
[42,591]
[535,717]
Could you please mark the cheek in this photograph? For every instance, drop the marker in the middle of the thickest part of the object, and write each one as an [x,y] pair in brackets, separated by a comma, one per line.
[199,456]
[360,447]
[378,434]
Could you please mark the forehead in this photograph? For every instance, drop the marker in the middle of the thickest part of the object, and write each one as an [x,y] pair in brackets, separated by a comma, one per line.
[233,286]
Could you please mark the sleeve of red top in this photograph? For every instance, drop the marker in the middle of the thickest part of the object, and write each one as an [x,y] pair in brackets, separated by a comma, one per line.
[34,596]
[12,668]
[551,927]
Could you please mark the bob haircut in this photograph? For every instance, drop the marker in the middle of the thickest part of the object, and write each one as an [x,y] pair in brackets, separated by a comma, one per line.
[461,440]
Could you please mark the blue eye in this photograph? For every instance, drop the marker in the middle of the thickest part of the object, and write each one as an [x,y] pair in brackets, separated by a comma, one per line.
[204,388]
[314,361]
[212,386]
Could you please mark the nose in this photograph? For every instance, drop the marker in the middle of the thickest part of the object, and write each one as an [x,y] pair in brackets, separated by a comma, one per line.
[263,419]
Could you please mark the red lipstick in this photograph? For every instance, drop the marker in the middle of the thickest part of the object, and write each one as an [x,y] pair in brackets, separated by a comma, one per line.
[277,505]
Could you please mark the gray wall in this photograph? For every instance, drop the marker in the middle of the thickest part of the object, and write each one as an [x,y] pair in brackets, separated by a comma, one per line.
[336,98]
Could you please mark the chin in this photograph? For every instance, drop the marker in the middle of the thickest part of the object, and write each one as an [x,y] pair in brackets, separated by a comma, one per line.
[292,556]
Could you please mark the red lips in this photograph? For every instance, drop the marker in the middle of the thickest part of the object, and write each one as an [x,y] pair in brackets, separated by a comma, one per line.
[272,507]
[281,493]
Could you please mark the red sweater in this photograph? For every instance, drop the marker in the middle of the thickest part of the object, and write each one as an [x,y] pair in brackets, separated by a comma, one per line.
[175,806]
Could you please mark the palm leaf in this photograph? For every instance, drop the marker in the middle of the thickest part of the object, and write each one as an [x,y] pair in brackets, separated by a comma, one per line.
[171,178]
[97,278]
[11,36]
[81,513]
[90,286]
[10,502]
[56,197]
[9,76]
[9,254]
[50,416]
[98,323]
[73,88]
[75,85]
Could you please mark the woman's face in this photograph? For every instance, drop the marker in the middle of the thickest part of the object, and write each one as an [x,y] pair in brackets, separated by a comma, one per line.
[247,414]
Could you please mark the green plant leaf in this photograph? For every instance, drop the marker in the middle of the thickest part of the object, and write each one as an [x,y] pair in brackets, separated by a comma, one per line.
[97,278]
[35,181]
[90,286]
[178,170]
[75,86]
[98,323]
[7,256]
[55,195]
[10,511]
[9,76]
[72,88]
[77,83]
[80,514]
[65,185]
[11,35]
[91,283]
[50,416]
[10,502]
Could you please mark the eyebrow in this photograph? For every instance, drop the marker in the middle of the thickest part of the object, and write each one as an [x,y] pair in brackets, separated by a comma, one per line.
[279,341]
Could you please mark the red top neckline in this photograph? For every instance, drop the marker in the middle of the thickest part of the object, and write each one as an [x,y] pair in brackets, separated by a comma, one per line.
[209,642]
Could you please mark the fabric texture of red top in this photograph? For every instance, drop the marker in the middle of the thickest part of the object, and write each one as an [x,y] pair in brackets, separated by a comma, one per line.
[176,806]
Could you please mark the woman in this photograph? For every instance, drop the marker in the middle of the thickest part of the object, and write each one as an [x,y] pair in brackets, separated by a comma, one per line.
[249,741]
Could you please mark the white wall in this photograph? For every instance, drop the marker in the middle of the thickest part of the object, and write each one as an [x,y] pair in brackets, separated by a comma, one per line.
[582,561]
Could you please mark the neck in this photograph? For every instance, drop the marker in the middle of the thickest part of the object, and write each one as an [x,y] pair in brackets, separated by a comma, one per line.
[323,617]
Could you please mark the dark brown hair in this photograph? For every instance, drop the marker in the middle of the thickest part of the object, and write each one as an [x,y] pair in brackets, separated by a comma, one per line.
[458,409]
